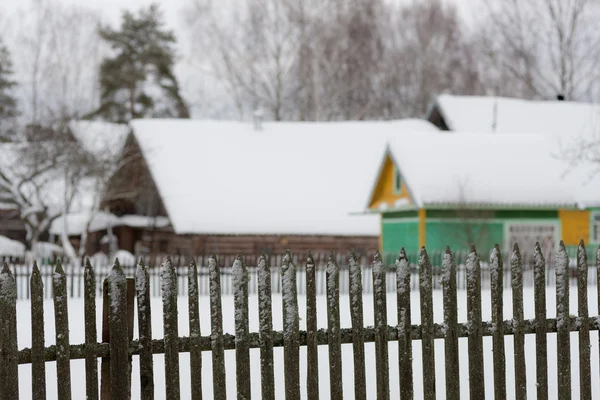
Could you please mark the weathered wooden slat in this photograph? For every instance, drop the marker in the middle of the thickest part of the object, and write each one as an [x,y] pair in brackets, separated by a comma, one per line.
[474,323]
[142,287]
[404,326]
[427,343]
[332,273]
[291,349]
[195,334]
[38,363]
[541,341]
[563,340]
[242,351]
[585,378]
[381,338]
[168,283]
[451,324]
[356,316]
[598,284]
[496,284]
[265,330]
[518,324]
[105,364]
[61,322]
[216,334]
[9,350]
[312,354]
[91,335]
[117,325]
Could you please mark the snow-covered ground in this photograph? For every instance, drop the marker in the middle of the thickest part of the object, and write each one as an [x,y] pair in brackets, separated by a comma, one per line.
[78,368]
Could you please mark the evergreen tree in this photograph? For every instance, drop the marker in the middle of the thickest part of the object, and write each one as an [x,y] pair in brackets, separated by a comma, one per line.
[8,102]
[138,81]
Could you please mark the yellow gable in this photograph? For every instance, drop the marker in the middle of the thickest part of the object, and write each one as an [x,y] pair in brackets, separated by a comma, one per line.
[387,190]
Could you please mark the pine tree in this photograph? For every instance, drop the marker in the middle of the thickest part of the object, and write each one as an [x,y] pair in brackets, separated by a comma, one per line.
[8,102]
[138,81]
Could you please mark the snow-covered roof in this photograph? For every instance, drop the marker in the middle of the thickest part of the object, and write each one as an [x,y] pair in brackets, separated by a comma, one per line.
[483,171]
[101,138]
[557,119]
[77,222]
[11,248]
[218,177]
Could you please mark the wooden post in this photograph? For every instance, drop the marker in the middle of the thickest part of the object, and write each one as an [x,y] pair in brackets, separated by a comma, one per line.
[216,334]
[142,284]
[356,314]
[38,361]
[541,327]
[404,326]
[168,281]
[312,354]
[91,361]
[9,351]
[117,327]
[451,326]
[336,385]
[563,341]
[427,334]
[194,316]
[585,380]
[242,349]
[475,329]
[381,326]
[265,328]
[291,341]
[61,320]
[518,324]
[496,272]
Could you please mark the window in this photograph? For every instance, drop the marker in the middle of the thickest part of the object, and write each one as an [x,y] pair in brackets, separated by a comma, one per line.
[397,181]
[526,235]
[595,228]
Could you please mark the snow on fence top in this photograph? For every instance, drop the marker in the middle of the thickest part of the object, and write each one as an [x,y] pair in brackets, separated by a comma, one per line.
[287,178]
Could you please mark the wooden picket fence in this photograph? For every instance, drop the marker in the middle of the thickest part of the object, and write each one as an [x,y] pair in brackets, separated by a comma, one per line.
[117,347]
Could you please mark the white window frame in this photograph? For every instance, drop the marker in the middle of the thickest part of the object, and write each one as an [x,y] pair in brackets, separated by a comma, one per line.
[595,227]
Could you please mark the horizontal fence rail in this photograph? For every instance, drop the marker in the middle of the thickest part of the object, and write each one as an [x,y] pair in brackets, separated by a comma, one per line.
[122,284]
[76,274]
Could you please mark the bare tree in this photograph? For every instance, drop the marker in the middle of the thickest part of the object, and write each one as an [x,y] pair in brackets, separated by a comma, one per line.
[550,47]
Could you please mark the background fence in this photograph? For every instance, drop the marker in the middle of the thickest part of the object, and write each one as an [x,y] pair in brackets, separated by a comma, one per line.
[75,274]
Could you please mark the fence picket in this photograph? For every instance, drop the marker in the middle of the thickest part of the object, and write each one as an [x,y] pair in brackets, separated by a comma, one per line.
[356,316]
[518,324]
[265,321]
[142,288]
[242,350]
[9,351]
[427,334]
[168,278]
[61,321]
[451,326]
[496,278]
[194,321]
[381,327]
[119,343]
[91,334]
[38,361]
[333,327]
[563,341]
[290,328]
[475,341]
[312,354]
[216,331]
[404,326]
[541,328]
[585,383]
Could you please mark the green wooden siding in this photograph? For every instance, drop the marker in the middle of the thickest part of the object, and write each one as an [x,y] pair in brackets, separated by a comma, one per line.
[398,234]
[458,235]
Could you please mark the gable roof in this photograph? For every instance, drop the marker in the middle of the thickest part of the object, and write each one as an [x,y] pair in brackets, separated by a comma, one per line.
[478,170]
[103,139]
[556,119]
[218,177]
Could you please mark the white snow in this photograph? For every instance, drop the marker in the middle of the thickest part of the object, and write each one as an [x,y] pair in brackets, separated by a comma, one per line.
[103,139]
[481,169]
[11,248]
[76,310]
[288,178]
[77,222]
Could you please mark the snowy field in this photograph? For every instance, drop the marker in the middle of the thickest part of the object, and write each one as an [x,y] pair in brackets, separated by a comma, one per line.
[78,368]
